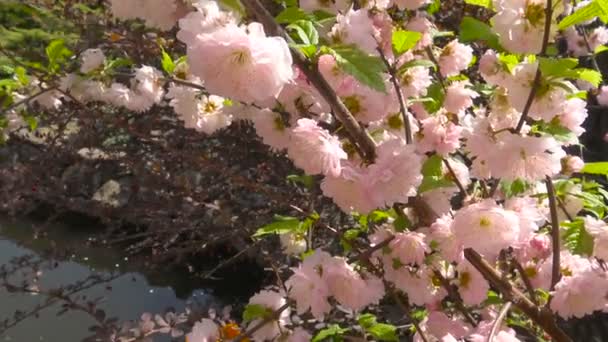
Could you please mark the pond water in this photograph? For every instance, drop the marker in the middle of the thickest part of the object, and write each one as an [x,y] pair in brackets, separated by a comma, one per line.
[131,294]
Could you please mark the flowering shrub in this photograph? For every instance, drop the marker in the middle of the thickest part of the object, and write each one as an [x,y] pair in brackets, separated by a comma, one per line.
[448,147]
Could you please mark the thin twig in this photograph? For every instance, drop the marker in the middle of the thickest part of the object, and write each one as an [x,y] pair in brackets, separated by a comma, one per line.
[402,107]
[368,252]
[537,76]
[555,270]
[456,180]
[455,297]
[526,280]
[429,52]
[543,317]
[562,206]
[27,99]
[357,133]
[498,321]
[262,323]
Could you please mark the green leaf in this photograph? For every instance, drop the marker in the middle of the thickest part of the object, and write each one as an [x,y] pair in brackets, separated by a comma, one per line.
[305,31]
[366,320]
[331,333]
[600,49]
[167,62]
[21,75]
[291,15]
[414,63]
[378,216]
[592,10]
[255,311]
[554,129]
[514,188]
[436,94]
[482,3]
[592,76]
[401,223]
[556,66]
[577,239]
[306,180]
[432,172]
[434,7]
[403,41]
[234,5]
[32,122]
[365,68]
[56,53]
[599,168]
[472,30]
[117,63]
[281,225]
[384,332]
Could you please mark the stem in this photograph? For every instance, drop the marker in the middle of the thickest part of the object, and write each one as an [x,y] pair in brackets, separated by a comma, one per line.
[455,297]
[402,106]
[357,134]
[440,77]
[537,76]
[27,99]
[555,271]
[541,316]
[501,316]
[525,279]
[456,180]
[368,252]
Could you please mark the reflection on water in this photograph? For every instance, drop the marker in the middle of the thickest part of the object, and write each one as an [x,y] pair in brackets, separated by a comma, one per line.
[131,294]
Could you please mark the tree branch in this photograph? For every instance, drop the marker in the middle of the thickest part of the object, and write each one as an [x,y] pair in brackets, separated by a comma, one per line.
[541,316]
[357,134]
[496,325]
[555,271]
[537,76]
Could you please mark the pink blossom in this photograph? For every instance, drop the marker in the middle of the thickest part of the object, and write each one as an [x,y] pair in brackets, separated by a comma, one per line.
[486,227]
[573,115]
[527,157]
[472,285]
[440,325]
[458,97]
[424,26]
[350,289]
[409,248]
[240,63]
[418,285]
[570,265]
[572,164]
[308,286]
[356,27]
[502,115]
[270,127]
[292,244]
[454,58]
[439,134]
[207,18]
[598,229]
[91,60]
[410,4]
[204,331]
[314,149]
[341,82]
[161,14]
[333,7]
[439,199]
[520,25]
[414,81]
[581,294]
[491,68]
[299,335]
[368,105]
[530,216]
[602,96]
[393,177]
[442,234]
[272,301]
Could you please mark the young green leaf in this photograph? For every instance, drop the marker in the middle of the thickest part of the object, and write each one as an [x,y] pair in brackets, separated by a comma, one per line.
[483,3]
[432,172]
[281,225]
[291,15]
[403,41]
[365,68]
[472,30]
[598,168]
[577,239]
[255,311]
[383,332]
[305,31]
[333,332]
[590,11]
[167,62]
[56,53]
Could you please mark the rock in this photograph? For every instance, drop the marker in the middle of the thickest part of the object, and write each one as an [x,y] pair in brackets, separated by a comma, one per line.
[114,193]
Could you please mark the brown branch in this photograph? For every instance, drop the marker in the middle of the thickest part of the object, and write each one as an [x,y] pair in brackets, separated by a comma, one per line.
[402,106]
[537,76]
[455,297]
[543,317]
[555,271]
[357,133]
[498,321]
[368,252]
